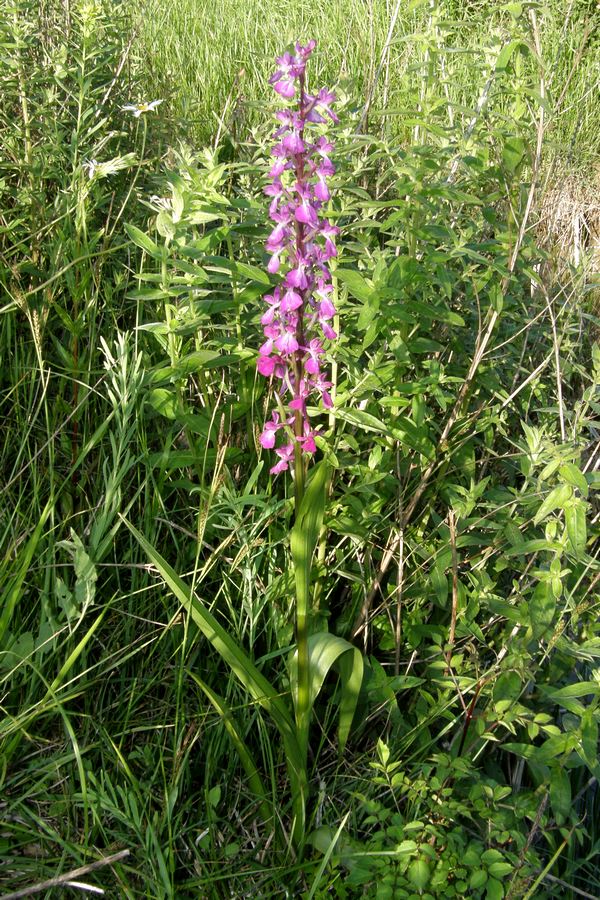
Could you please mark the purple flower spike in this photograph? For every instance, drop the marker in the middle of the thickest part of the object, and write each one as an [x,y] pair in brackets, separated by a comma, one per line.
[302,241]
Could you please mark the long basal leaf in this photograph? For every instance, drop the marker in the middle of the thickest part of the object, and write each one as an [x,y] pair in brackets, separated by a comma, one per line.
[246,758]
[327,651]
[243,667]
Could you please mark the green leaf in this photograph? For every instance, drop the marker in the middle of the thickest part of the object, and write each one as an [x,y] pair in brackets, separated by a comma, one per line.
[560,792]
[575,520]
[309,517]
[165,225]
[507,52]
[13,593]
[439,583]
[199,359]
[572,475]
[246,758]
[542,607]
[433,313]
[327,651]
[494,889]
[414,436]
[143,241]
[327,855]
[243,668]
[513,152]
[556,499]
[253,273]
[362,419]
[534,546]
[163,401]
[355,283]
[419,873]
[579,689]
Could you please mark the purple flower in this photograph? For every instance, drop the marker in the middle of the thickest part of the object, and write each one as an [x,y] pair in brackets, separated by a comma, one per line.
[286,455]
[300,308]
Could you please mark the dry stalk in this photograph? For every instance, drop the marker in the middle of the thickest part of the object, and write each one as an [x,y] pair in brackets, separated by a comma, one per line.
[452,632]
[67,878]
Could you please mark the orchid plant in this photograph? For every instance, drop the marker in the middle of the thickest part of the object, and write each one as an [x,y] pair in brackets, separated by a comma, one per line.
[297,323]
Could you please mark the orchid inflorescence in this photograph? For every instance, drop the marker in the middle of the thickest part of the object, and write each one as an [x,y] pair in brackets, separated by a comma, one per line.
[300,309]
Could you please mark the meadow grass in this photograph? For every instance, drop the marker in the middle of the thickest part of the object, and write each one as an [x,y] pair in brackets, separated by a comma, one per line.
[211,60]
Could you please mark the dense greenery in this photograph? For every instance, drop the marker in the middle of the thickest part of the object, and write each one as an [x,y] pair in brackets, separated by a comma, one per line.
[459,465]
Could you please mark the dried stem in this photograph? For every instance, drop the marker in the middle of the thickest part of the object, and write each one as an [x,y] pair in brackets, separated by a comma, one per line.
[67,877]
[452,632]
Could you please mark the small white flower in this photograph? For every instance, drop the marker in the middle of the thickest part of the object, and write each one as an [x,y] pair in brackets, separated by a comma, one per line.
[90,165]
[160,202]
[138,108]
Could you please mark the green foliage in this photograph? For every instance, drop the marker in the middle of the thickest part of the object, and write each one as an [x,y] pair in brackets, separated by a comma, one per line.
[451,541]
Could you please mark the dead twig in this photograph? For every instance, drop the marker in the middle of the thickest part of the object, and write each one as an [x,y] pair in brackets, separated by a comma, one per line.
[452,632]
[63,880]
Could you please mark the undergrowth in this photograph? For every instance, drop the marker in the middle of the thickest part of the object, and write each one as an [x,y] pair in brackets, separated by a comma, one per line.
[459,547]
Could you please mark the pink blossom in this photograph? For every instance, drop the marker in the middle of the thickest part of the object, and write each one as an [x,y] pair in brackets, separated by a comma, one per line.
[300,307]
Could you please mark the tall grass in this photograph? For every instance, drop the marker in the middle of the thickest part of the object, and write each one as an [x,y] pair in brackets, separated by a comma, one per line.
[211,61]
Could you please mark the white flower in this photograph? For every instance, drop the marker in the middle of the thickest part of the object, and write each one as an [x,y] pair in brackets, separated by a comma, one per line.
[90,165]
[138,108]
[160,202]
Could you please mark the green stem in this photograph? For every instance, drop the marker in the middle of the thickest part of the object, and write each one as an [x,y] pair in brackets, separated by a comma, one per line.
[302,608]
